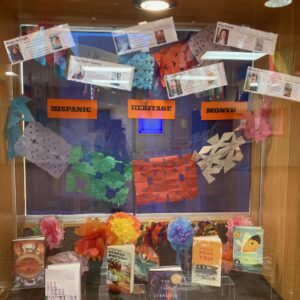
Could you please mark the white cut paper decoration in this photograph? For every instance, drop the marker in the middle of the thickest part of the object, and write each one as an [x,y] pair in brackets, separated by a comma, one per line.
[202,42]
[45,148]
[223,153]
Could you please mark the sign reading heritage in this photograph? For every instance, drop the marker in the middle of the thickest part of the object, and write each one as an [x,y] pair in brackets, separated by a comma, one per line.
[151,109]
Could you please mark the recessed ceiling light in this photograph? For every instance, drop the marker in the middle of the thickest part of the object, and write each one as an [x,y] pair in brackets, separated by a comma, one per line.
[278,3]
[232,55]
[155,5]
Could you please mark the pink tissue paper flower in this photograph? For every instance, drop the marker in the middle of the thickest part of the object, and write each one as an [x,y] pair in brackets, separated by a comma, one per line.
[52,229]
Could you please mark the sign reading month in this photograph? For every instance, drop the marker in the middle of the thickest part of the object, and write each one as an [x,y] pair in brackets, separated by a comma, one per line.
[195,80]
[145,36]
[227,110]
[39,43]
[273,84]
[151,109]
[101,73]
[245,38]
[72,109]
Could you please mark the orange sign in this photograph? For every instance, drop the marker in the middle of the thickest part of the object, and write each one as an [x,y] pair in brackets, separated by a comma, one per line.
[227,110]
[151,109]
[72,109]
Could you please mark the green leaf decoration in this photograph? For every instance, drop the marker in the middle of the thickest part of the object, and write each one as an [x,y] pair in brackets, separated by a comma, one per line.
[70,182]
[121,196]
[75,155]
[36,230]
[105,164]
[85,167]
[114,179]
[128,172]
[96,188]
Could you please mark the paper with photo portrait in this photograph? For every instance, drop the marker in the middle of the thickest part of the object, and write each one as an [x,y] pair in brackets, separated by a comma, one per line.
[39,43]
[195,80]
[145,36]
[246,38]
[273,84]
[101,73]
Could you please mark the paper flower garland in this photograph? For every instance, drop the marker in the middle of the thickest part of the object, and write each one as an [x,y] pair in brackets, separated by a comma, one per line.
[221,154]
[174,59]
[95,236]
[206,228]
[53,231]
[143,64]
[17,112]
[98,176]
[125,227]
[155,234]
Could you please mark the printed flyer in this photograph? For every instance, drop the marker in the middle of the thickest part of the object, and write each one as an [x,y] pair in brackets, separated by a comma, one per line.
[40,43]
[245,38]
[195,80]
[100,73]
[145,36]
[273,84]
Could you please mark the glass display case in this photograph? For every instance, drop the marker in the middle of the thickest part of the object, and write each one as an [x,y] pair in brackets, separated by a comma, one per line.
[172,131]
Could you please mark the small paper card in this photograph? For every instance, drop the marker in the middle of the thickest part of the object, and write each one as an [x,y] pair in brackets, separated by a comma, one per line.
[273,84]
[100,73]
[71,109]
[151,109]
[39,43]
[145,36]
[227,110]
[245,38]
[195,80]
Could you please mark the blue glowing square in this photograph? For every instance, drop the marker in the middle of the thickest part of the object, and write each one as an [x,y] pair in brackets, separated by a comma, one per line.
[150,126]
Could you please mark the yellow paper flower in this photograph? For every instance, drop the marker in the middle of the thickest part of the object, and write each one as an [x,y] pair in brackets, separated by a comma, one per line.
[126,228]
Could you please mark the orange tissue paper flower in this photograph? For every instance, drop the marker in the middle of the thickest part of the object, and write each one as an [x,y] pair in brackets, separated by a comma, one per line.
[126,228]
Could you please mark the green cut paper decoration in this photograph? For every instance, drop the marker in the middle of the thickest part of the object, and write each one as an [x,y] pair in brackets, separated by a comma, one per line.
[98,176]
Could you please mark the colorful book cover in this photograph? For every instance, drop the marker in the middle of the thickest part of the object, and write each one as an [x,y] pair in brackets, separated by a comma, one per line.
[248,248]
[29,262]
[167,283]
[63,281]
[120,265]
[207,260]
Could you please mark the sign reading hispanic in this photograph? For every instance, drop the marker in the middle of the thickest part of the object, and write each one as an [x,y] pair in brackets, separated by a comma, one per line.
[72,109]
[227,110]
[151,109]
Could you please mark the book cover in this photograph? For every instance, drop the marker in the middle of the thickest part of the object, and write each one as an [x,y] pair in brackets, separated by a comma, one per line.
[63,281]
[29,262]
[207,260]
[167,283]
[120,265]
[248,248]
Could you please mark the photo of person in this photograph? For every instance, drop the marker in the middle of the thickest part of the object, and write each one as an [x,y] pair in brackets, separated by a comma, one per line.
[78,74]
[160,36]
[15,53]
[222,36]
[288,88]
[122,42]
[252,81]
[259,44]
[55,42]
[174,87]
[115,78]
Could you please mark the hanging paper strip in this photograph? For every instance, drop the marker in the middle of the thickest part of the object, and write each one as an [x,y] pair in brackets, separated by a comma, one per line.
[174,59]
[143,64]
[165,179]
[45,148]
[17,113]
[223,153]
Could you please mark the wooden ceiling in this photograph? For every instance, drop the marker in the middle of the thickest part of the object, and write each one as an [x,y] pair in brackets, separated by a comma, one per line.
[190,13]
